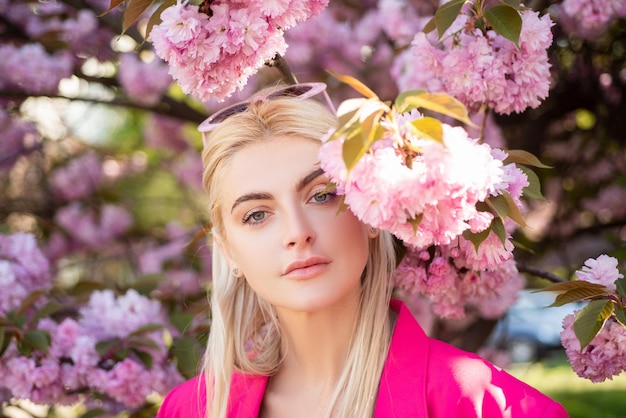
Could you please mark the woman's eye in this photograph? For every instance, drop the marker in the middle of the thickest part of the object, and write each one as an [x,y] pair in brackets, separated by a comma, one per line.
[324,196]
[254,216]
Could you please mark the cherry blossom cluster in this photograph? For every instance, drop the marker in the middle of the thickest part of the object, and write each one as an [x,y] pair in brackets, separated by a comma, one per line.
[211,55]
[23,269]
[73,363]
[44,70]
[430,203]
[77,29]
[479,67]
[17,137]
[438,274]
[605,356]
[144,82]
[589,18]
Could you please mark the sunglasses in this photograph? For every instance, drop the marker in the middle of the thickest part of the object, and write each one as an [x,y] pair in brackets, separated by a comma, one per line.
[296,91]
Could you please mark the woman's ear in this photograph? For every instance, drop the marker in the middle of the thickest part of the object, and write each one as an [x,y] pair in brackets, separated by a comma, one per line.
[372,232]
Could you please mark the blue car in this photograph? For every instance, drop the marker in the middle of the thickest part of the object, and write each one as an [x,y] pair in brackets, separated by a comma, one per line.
[531,328]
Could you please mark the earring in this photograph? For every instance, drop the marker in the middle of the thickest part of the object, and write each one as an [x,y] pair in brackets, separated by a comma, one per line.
[236,272]
[373,232]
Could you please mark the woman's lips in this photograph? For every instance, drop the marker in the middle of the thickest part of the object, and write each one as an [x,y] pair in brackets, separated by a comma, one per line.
[306,268]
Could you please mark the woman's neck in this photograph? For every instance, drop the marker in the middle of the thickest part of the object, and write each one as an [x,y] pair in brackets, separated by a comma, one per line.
[316,345]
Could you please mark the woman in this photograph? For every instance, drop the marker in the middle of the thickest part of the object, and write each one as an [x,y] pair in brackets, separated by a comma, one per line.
[302,321]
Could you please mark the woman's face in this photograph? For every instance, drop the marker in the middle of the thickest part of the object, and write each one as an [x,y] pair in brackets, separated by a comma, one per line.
[283,230]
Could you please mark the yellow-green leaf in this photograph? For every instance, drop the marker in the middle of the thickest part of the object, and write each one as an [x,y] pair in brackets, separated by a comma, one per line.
[498,205]
[575,284]
[436,102]
[446,15]
[430,26]
[155,18]
[134,10]
[512,209]
[416,221]
[355,84]
[590,320]
[476,238]
[506,21]
[427,127]
[523,157]
[577,294]
[112,5]
[497,226]
[513,3]
[620,315]
[533,190]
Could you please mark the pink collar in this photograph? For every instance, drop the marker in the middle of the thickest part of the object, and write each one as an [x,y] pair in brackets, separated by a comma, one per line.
[398,383]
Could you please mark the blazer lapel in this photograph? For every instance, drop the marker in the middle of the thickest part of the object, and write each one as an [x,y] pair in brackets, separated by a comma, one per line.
[246,395]
[402,390]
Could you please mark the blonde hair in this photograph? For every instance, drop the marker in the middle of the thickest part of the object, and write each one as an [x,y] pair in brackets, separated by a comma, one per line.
[243,323]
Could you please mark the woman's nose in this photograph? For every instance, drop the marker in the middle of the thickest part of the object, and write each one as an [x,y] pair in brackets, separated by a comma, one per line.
[299,230]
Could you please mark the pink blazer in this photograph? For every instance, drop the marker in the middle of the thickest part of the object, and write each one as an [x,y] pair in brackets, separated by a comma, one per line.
[422,378]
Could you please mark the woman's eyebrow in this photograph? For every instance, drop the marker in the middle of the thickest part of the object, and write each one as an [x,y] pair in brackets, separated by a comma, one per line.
[250,196]
[301,184]
[308,178]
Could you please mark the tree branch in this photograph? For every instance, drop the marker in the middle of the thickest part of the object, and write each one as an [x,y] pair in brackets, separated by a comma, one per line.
[167,106]
[540,273]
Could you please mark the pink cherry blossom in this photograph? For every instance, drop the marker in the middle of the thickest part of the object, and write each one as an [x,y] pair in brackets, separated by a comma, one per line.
[211,57]
[78,179]
[481,68]
[602,270]
[144,82]
[23,269]
[603,358]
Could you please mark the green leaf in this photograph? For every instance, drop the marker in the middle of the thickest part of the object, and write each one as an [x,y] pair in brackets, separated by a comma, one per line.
[476,238]
[512,209]
[181,320]
[103,348]
[121,353]
[146,328]
[577,294]
[497,226]
[620,315]
[144,357]
[446,15]
[513,3]
[188,353]
[436,102]
[37,339]
[498,205]
[533,190]
[575,284]
[523,157]
[155,18]
[5,340]
[364,133]
[144,285]
[134,10]
[430,26]
[29,301]
[620,284]
[86,286]
[506,21]
[142,342]
[415,222]
[355,84]
[427,127]
[112,5]
[590,320]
